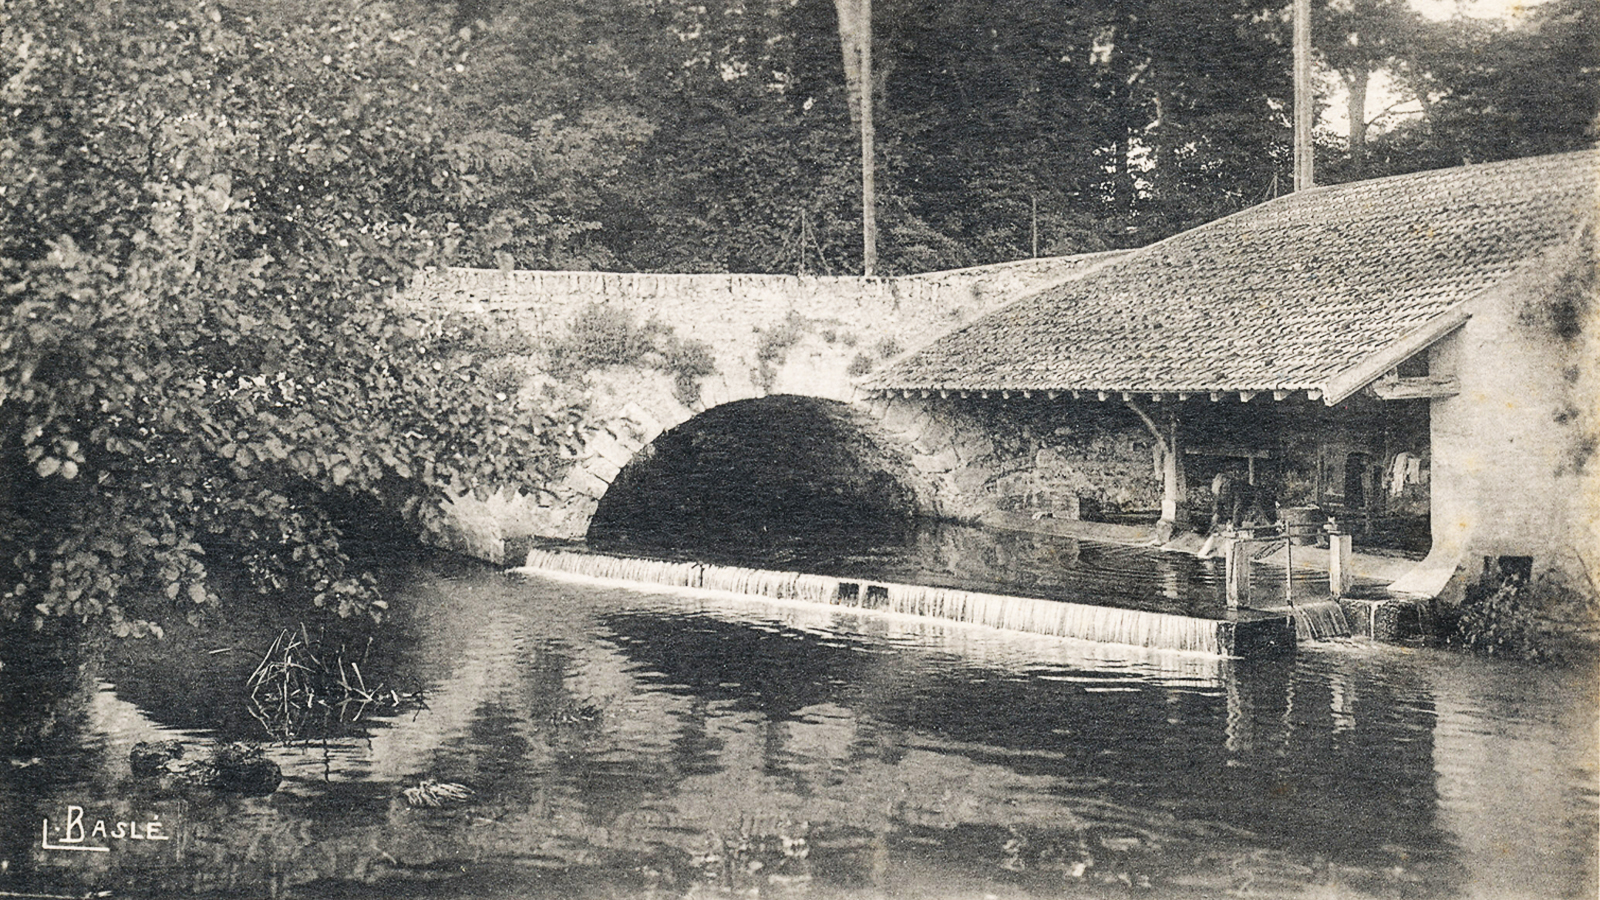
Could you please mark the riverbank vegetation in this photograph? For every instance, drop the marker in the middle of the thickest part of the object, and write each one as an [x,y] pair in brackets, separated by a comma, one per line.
[205,205]
[1547,619]
[204,209]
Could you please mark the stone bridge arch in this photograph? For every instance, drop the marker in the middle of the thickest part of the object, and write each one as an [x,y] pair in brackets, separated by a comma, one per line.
[963,459]
[902,474]
[698,342]
[778,464]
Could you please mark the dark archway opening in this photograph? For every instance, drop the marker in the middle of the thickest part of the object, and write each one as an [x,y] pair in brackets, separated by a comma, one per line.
[763,473]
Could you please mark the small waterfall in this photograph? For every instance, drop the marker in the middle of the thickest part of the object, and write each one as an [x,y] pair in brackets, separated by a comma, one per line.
[765,583]
[1103,624]
[1317,620]
[649,571]
[1366,616]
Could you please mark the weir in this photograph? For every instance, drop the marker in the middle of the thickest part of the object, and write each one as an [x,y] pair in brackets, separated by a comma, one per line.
[1316,620]
[1238,632]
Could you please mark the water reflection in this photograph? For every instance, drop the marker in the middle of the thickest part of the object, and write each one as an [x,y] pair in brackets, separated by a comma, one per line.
[626,744]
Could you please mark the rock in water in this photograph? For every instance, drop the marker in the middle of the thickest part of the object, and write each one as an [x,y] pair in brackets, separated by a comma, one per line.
[243,769]
[149,760]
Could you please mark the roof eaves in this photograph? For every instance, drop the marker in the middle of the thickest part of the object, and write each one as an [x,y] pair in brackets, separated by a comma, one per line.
[1366,371]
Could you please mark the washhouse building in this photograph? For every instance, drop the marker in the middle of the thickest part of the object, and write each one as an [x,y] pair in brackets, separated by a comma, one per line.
[1412,356]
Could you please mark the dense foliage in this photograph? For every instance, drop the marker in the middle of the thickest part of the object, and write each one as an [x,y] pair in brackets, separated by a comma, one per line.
[1546,619]
[206,206]
[203,212]
[725,134]
[682,135]
[1477,90]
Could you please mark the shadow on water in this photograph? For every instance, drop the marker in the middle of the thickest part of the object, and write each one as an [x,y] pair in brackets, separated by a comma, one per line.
[595,742]
[635,744]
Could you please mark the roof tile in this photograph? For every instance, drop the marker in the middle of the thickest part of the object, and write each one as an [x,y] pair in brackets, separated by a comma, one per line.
[1282,296]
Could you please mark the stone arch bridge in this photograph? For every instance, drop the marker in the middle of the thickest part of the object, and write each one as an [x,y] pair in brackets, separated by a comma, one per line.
[672,347]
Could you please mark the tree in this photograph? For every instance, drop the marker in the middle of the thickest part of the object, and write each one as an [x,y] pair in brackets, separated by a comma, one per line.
[551,110]
[1357,39]
[1492,89]
[1141,116]
[1521,89]
[681,135]
[203,214]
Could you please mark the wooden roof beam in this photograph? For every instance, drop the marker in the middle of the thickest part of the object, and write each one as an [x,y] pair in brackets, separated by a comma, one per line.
[1426,387]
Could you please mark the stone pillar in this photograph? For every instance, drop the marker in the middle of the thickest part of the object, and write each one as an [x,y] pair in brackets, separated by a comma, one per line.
[1236,555]
[1174,489]
[1339,574]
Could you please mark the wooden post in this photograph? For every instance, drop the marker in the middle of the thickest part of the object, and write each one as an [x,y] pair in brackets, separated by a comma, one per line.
[1288,565]
[869,192]
[1339,575]
[1035,228]
[1174,487]
[1303,100]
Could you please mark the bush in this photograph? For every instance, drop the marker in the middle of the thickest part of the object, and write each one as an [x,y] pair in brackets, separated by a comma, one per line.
[1546,619]
[687,361]
[604,334]
[203,213]
[773,348]
[860,365]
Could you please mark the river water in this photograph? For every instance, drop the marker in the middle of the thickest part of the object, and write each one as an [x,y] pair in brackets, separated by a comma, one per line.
[624,743]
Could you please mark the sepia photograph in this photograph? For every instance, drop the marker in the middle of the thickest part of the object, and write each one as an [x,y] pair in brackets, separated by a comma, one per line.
[799,449]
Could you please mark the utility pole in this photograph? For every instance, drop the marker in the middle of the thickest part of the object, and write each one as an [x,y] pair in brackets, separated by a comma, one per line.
[1035,225]
[869,190]
[1303,99]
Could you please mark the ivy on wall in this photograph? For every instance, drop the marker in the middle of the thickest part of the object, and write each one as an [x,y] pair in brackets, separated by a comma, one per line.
[603,335]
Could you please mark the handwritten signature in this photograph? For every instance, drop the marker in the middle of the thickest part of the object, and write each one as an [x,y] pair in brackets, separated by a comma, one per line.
[78,835]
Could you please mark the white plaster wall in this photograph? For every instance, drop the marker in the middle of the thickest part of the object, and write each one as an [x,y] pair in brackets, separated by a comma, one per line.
[1506,451]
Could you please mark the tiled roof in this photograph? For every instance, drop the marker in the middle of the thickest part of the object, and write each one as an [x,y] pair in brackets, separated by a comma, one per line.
[1288,295]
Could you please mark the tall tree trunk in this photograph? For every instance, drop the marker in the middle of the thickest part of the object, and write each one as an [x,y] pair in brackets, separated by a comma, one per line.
[1356,106]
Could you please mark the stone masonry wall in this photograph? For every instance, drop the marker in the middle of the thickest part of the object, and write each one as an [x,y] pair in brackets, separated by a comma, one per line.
[771,333]
[1514,461]
[1068,459]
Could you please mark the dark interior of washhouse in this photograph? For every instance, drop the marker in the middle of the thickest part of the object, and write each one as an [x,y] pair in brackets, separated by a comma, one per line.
[1363,463]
